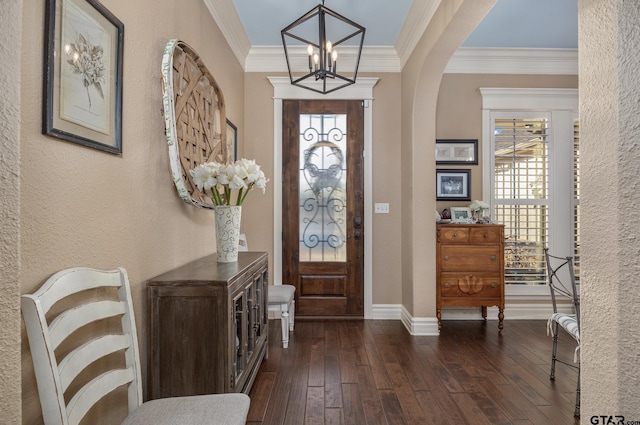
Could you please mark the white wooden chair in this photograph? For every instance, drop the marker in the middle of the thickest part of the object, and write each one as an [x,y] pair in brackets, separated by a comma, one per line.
[80,323]
[280,299]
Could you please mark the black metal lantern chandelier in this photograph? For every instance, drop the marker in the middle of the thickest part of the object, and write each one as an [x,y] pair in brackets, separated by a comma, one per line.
[313,62]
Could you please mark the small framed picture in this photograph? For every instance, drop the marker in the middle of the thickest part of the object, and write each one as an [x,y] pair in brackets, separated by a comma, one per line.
[453,185]
[232,140]
[461,215]
[457,152]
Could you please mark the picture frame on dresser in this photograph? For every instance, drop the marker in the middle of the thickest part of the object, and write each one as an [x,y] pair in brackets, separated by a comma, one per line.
[82,84]
[453,185]
[461,215]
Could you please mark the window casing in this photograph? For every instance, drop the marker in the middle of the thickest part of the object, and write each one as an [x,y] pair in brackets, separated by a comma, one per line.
[530,154]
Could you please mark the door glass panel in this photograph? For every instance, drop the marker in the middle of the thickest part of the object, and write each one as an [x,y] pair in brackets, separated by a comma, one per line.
[322,187]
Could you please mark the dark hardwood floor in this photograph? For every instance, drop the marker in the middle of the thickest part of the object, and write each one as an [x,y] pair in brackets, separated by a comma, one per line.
[374,372]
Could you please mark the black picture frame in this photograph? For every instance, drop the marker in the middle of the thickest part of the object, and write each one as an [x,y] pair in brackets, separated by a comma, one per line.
[457,151]
[232,135]
[82,84]
[453,185]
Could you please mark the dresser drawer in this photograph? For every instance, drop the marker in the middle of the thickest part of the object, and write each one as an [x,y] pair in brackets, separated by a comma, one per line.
[470,257]
[485,235]
[470,285]
[453,234]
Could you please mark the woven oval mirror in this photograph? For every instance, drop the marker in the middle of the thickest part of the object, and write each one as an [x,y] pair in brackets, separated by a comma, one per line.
[195,119]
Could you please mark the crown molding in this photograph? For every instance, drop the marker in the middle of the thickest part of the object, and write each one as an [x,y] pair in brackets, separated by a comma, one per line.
[228,20]
[474,60]
[373,59]
[380,59]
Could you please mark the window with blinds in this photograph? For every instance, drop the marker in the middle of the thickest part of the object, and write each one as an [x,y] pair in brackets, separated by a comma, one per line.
[531,164]
[576,197]
[520,195]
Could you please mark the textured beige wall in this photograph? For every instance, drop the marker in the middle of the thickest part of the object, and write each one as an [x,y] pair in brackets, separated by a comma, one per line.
[459,114]
[81,206]
[11,36]
[610,159]
[386,174]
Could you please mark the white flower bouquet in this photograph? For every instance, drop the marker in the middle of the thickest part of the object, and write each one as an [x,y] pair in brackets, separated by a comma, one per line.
[221,179]
[476,206]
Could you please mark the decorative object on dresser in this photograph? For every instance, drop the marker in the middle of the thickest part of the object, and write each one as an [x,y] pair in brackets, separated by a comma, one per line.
[207,326]
[84,346]
[477,209]
[461,215]
[470,267]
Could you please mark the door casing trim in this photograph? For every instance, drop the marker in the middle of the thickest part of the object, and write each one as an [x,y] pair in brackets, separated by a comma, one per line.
[361,90]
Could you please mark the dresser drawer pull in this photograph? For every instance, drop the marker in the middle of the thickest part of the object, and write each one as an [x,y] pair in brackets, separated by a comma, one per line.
[486,235]
[455,235]
[494,258]
[446,258]
[494,285]
[447,284]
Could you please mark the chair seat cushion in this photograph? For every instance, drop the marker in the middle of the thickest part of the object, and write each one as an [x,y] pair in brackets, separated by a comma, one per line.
[568,322]
[223,409]
[280,294]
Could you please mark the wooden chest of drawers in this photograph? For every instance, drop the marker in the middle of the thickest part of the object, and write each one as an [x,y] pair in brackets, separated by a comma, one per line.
[470,267]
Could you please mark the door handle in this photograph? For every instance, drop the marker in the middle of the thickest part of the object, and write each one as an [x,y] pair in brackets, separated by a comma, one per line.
[357,222]
[357,235]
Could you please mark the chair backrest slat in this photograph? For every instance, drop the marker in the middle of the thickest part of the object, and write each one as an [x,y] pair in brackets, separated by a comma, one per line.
[96,340]
[76,361]
[72,320]
[94,391]
[75,280]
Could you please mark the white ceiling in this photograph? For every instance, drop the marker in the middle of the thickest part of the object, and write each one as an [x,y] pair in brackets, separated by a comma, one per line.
[393,27]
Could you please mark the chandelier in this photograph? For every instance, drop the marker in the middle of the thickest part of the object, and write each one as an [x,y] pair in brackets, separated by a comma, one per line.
[314,45]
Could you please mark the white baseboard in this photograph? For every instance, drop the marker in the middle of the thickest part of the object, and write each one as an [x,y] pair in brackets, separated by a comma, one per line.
[428,326]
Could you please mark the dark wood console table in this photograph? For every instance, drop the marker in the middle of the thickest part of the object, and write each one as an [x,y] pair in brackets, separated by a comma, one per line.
[207,326]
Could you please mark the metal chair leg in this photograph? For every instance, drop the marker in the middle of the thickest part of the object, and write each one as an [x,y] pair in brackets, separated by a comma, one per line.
[554,353]
[577,411]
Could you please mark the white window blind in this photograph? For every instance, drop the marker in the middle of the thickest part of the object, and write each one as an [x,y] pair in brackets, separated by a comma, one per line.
[520,198]
[531,157]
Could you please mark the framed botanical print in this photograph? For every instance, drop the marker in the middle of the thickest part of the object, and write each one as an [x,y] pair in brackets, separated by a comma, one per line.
[83,74]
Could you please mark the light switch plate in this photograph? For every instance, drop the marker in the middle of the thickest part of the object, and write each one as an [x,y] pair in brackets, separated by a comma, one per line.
[381,208]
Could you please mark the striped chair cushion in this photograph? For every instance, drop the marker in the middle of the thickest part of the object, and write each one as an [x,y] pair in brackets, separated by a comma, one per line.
[569,324]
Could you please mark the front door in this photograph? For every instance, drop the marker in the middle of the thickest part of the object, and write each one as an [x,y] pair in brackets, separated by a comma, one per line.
[323,206]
